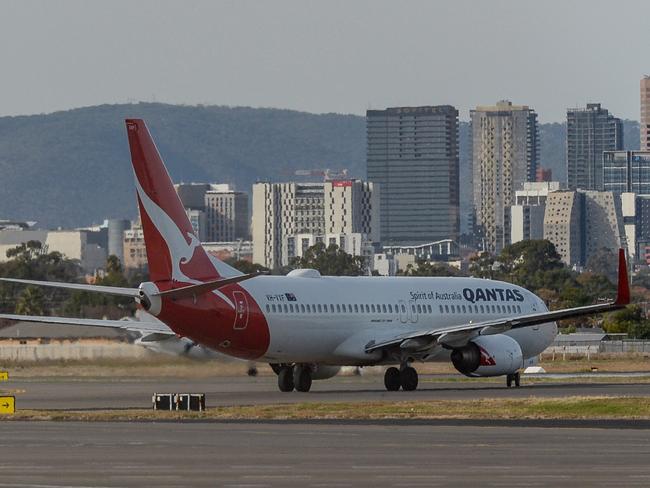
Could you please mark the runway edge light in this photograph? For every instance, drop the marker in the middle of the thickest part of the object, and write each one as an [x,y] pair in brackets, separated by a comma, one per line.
[7,404]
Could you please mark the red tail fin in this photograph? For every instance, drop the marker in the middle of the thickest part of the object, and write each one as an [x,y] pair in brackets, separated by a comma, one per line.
[173,250]
[623,293]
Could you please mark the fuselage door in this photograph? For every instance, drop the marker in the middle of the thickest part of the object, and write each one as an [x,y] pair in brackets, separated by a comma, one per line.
[241,310]
[413,311]
[403,312]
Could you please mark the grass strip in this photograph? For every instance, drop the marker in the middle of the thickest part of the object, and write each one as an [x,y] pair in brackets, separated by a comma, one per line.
[520,408]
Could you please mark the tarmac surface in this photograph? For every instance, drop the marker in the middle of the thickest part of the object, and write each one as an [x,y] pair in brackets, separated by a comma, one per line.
[123,393]
[303,454]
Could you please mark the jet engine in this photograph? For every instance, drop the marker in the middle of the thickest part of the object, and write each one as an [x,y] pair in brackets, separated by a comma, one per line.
[148,298]
[323,372]
[491,355]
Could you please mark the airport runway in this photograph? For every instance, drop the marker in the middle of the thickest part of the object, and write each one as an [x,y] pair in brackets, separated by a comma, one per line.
[79,393]
[50,454]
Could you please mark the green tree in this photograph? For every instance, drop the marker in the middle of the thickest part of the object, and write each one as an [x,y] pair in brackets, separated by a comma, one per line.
[625,321]
[425,268]
[30,302]
[604,262]
[244,266]
[330,261]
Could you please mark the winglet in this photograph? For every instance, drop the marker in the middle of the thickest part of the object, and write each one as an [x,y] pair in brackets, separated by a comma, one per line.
[623,293]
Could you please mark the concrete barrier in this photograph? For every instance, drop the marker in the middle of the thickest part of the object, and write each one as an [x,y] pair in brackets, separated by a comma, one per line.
[71,351]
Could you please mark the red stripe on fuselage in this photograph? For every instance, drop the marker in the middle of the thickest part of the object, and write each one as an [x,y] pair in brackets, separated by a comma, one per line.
[210,321]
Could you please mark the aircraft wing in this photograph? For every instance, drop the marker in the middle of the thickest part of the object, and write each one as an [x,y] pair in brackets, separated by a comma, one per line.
[110,290]
[459,335]
[144,328]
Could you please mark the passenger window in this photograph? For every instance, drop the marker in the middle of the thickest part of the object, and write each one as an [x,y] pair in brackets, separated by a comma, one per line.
[319,308]
[302,308]
[273,307]
[494,309]
[463,308]
[291,307]
[413,308]
[331,308]
[403,309]
[429,308]
[419,308]
[390,308]
[268,308]
[286,308]
[372,308]
[441,309]
[356,308]
[367,308]
[383,308]
[338,308]
[446,308]
[453,309]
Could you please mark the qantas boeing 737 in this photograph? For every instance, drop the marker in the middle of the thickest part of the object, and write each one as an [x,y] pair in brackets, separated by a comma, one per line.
[306,325]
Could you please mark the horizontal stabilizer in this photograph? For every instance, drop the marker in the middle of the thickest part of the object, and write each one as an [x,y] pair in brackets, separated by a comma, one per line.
[194,290]
[110,290]
[132,325]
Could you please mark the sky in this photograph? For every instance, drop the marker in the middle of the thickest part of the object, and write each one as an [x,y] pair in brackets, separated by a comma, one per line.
[324,56]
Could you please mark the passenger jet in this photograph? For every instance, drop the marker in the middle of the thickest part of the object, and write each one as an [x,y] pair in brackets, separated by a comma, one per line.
[308,326]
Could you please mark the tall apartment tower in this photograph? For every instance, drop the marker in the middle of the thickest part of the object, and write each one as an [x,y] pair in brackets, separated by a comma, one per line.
[580,223]
[627,171]
[412,153]
[226,214]
[644,124]
[590,132]
[287,215]
[504,156]
[217,212]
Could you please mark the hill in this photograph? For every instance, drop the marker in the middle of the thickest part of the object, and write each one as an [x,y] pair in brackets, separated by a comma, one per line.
[72,168]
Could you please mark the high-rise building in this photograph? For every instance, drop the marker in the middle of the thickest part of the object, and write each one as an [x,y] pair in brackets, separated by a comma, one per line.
[644,123]
[217,212]
[412,153]
[527,215]
[580,223]
[590,132]
[504,156]
[627,171]
[226,214]
[289,216]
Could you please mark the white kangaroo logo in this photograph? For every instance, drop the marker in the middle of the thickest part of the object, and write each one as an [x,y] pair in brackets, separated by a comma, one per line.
[180,251]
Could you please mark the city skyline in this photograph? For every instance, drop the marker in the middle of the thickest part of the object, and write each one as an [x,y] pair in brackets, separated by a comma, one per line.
[76,54]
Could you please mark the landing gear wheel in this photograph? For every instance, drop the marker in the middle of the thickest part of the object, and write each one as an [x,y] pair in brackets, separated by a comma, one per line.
[408,378]
[509,379]
[392,379]
[302,379]
[285,379]
[517,379]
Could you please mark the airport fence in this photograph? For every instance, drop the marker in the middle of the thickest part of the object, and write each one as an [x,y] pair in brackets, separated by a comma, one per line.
[630,346]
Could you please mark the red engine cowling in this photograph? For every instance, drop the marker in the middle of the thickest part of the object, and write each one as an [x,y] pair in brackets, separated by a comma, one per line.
[491,355]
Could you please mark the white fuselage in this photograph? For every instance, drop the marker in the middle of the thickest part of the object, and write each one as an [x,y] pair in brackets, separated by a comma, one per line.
[330,319]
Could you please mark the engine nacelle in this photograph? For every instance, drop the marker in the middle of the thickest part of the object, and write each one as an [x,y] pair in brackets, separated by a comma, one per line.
[490,355]
[148,299]
[324,372]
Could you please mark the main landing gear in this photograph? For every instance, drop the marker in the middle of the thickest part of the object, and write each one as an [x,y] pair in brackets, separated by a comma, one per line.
[405,377]
[516,378]
[296,377]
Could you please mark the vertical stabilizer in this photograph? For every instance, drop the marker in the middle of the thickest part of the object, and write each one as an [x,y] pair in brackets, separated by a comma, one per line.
[173,250]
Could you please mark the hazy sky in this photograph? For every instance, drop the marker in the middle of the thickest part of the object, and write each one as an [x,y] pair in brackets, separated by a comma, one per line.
[327,56]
